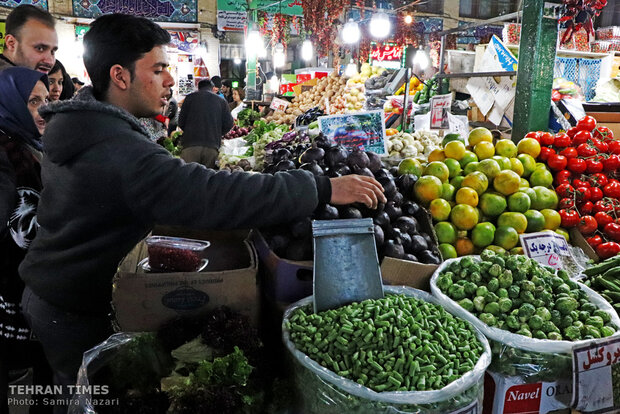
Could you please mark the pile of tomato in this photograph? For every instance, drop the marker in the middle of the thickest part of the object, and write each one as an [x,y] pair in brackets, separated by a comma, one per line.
[586,165]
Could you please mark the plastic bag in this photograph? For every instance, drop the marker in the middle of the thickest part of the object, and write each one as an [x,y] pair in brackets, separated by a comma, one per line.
[325,392]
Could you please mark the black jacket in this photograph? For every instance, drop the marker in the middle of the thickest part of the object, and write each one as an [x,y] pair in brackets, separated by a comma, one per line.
[105,185]
[204,119]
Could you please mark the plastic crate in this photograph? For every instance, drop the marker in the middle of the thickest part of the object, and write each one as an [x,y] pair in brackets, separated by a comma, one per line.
[583,72]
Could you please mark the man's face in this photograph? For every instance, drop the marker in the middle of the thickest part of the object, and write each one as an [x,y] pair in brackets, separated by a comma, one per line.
[150,88]
[225,89]
[34,46]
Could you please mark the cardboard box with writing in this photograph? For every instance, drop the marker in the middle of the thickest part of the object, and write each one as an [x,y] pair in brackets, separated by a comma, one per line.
[144,301]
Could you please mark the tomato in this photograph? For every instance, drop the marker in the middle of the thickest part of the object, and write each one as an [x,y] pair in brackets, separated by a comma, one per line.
[587,225]
[557,162]
[587,123]
[595,194]
[603,133]
[572,132]
[607,250]
[612,190]
[564,190]
[581,137]
[603,206]
[546,138]
[601,146]
[534,134]
[586,150]
[593,166]
[614,147]
[545,153]
[576,165]
[570,218]
[603,219]
[566,203]
[594,240]
[556,96]
[598,180]
[612,230]
[569,152]
[582,193]
[586,208]
[561,140]
[580,183]
[612,163]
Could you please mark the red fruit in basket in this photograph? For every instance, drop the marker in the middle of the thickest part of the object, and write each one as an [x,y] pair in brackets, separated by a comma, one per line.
[586,208]
[603,133]
[572,132]
[593,166]
[603,206]
[587,123]
[587,225]
[607,250]
[603,218]
[612,190]
[576,165]
[612,163]
[564,190]
[546,138]
[580,183]
[598,180]
[586,150]
[566,203]
[614,147]
[612,230]
[581,137]
[562,177]
[601,146]
[570,218]
[595,194]
[569,152]
[534,134]
[545,153]
[582,194]
[561,140]
[594,240]
[557,162]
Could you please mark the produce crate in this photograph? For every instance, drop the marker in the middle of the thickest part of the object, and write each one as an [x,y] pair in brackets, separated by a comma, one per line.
[583,72]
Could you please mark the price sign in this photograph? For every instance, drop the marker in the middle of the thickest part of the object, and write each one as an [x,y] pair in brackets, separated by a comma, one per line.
[440,107]
[278,104]
[364,130]
[545,247]
[596,376]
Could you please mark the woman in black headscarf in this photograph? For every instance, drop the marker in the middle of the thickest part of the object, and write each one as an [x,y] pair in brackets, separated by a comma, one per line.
[22,92]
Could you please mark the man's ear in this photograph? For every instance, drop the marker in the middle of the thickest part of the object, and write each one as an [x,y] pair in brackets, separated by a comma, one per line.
[10,43]
[120,77]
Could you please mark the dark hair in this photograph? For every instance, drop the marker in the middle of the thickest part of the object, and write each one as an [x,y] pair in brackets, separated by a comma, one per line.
[21,14]
[217,81]
[118,39]
[241,93]
[205,84]
[77,80]
[68,89]
[227,83]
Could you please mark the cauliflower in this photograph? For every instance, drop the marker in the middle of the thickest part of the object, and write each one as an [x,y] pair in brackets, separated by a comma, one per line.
[409,151]
[397,145]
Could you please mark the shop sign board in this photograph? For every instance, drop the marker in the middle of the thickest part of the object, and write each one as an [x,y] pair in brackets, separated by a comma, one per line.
[545,247]
[2,35]
[185,11]
[184,41]
[14,3]
[365,130]
[232,14]
[596,371]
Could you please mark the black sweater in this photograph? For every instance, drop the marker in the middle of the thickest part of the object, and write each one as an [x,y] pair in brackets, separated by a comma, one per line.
[204,119]
[105,185]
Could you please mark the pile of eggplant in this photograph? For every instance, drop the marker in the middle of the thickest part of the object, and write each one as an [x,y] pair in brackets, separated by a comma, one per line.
[309,116]
[397,223]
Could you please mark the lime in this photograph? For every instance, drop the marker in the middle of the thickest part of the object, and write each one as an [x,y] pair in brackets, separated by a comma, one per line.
[446,232]
[535,221]
[483,234]
[447,251]
[519,202]
[453,167]
[506,148]
[410,166]
[448,192]
[506,237]
[467,158]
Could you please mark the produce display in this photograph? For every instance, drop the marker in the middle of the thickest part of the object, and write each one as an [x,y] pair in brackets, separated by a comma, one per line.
[418,144]
[414,86]
[517,294]
[172,144]
[397,343]
[604,277]
[480,197]
[430,89]
[237,132]
[586,163]
[354,96]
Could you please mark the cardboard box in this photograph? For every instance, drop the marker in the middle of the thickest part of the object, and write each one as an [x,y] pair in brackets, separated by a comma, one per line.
[144,301]
[577,239]
[402,272]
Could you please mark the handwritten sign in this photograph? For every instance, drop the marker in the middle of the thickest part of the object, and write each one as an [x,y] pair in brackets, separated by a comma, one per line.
[545,247]
[440,106]
[596,376]
[365,130]
[278,104]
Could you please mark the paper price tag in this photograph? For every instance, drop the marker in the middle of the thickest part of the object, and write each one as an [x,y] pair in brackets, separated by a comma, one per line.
[278,104]
[596,376]
[440,106]
[546,248]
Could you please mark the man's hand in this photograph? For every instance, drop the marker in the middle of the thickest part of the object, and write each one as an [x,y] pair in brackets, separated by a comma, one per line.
[357,189]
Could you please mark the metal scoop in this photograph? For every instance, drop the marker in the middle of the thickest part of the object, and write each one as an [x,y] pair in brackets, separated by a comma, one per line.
[346,267]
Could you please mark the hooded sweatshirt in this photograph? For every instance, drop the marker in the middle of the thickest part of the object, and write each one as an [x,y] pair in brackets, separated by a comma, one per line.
[106,185]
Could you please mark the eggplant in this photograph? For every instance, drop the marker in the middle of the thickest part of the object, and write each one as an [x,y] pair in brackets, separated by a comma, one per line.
[285,165]
[331,173]
[418,244]
[312,154]
[374,164]
[392,211]
[429,257]
[405,184]
[343,170]
[407,225]
[336,156]
[428,239]
[363,171]
[350,213]
[410,208]
[270,169]
[394,171]
[379,235]
[382,219]
[313,167]
[358,159]
[398,199]
[393,249]
[281,154]
[405,240]
[410,257]
[382,172]
[389,187]
[392,233]
[328,212]
[302,228]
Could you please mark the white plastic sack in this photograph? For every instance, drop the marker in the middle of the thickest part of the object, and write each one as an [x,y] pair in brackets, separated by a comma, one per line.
[334,390]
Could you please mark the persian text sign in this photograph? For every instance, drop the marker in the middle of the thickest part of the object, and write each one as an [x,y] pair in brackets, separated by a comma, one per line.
[364,130]
[596,371]
[389,53]
[160,10]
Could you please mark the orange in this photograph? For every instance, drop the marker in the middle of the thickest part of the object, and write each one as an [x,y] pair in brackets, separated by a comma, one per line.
[440,209]
[489,167]
[448,192]
[457,181]
[436,155]
[410,166]
[427,189]
[529,146]
[516,166]
[454,150]
[484,150]
[453,167]
[506,148]
[464,246]
[479,134]
[483,234]
[519,202]
[535,221]
[447,251]
[476,180]
[552,219]
[464,217]
[492,204]
[507,182]
[517,221]
[446,232]
[541,176]
[438,169]
[467,158]
[563,233]
[467,195]
[545,198]
[528,162]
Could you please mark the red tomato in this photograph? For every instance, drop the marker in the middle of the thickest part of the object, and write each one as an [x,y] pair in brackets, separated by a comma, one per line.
[614,147]
[581,137]
[564,190]
[566,203]
[607,250]
[587,225]
[603,206]
[582,193]
[603,219]
[603,133]
[533,134]
[612,190]
[598,180]
[546,138]
[586,150]
[556,96]
[587,123]
[572,131]
[612,230]
[557,162]
[576,165]
[570,218]
[545,152]
[601,146]
[595,194]
[580,183]
[586,208]
[561,140]
[594,240]
[593,166]
[569,152]
[612,163]
[562,177]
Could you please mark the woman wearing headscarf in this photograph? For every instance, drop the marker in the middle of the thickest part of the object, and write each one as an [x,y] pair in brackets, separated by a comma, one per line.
[22,92]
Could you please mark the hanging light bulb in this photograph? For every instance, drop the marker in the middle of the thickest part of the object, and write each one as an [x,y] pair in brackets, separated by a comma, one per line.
[254,44]
[306,50]
[380,25]
[351,69]
[408,19]
[421,59]
[237,61]
[351,32]
[279,58]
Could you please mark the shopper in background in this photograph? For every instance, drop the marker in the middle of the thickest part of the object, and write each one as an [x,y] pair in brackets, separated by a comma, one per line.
[237,105]
[22,92]
[204,119]
[227,90]
[106,185]
[217,86]
[31,40]
[77,84]
[172,113]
